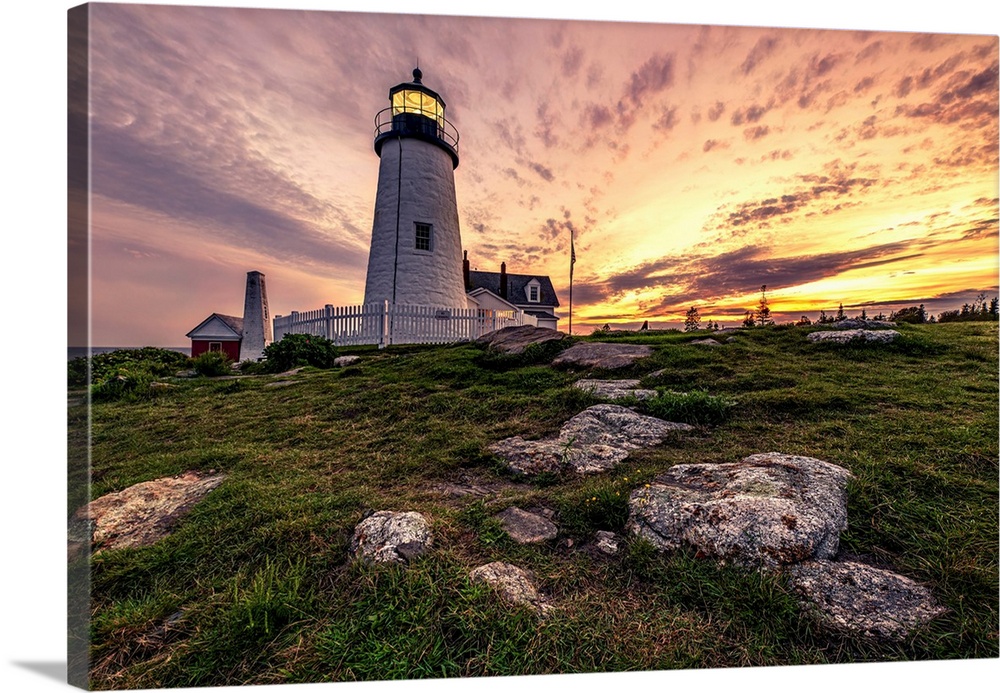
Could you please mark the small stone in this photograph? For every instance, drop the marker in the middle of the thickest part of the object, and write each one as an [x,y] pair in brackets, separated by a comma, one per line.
[342,361]
[526,528]
[606,542]
[513,583]
[390,537]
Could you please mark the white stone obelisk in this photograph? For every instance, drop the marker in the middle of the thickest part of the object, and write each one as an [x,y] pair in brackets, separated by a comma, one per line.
[258,330]
[416,247]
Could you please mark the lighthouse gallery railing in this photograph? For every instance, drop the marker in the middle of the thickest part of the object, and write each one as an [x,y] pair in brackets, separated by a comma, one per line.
[384,324]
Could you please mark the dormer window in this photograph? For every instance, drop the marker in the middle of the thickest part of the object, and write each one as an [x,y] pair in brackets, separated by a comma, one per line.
[534,291]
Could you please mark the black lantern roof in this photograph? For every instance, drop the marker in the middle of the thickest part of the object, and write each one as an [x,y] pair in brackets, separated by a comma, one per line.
[416,112]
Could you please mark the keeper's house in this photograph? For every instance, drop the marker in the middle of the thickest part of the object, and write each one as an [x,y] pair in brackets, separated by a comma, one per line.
[217,333]
[532,293]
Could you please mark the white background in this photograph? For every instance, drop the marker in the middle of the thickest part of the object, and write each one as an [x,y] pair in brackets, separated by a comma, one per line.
[32,351]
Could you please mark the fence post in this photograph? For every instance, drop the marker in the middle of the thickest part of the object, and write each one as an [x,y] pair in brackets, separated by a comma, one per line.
[328,314]
[385,338]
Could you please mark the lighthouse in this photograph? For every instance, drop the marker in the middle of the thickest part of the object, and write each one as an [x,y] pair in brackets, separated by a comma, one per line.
[416,247]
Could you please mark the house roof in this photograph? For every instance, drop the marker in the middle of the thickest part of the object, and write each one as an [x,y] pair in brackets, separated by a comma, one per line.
[221,324]
[515,287]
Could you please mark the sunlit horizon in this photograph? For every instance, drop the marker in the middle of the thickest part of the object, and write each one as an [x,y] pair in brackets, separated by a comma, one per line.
[693,164]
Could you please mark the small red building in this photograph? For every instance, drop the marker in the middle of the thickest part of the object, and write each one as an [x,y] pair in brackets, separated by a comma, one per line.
[217,333]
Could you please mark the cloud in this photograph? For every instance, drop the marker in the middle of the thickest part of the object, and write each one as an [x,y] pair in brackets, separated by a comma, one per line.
[764,47]
[716,110]
[750,114]
[543,171]
[755,133]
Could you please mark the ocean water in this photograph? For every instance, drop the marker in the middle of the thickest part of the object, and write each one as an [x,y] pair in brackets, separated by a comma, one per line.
[76,352]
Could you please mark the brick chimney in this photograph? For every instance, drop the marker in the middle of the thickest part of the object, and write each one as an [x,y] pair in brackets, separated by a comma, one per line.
[465,271]
[503,280]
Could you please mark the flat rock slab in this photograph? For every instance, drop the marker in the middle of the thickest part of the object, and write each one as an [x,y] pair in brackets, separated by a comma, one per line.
[390,537]
[614,389]
[526,528]
[606,542]
[281,383]
[514,585]
[144,513]
[844,336]
[601,355]
[342,361]
[514,340]
[855,324]
[708,341]
[767,510]
[859,599]
[595,440]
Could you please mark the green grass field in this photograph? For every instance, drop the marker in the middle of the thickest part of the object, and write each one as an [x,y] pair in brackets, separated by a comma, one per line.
[256,586]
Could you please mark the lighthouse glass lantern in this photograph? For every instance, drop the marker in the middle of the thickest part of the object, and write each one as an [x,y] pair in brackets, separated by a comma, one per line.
[416,111]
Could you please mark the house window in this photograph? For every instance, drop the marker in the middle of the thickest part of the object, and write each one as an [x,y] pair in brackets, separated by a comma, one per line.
[215,346]
[533,294]
[423,237]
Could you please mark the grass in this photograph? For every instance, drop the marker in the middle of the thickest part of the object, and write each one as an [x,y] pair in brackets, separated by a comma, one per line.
[255,587]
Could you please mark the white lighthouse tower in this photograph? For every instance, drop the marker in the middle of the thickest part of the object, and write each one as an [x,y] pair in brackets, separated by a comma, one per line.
[416,249]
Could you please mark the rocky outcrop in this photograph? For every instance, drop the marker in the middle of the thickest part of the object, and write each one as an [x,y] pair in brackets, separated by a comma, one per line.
[861,600]
[514,340]
[601,355]
[614,389]
[514,585]
[594,440]
[855,324]
[767,510]
[845,336]
[526,528]
[144,513]
[390,537]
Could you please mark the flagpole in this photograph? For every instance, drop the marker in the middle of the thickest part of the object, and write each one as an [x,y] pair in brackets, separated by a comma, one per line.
[572,261]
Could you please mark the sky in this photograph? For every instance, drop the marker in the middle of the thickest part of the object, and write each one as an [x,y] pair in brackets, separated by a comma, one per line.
[693,164]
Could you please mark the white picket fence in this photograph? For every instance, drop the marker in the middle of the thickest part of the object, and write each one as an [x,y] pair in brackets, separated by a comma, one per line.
[384,324]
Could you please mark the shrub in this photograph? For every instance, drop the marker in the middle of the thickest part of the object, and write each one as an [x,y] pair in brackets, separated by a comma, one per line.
[126,384]
[152,360]
[212,363]
[697,407]
[294,350]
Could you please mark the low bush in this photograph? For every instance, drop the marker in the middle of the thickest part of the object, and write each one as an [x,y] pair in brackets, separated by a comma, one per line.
[152,360]
[294,350]
[212,364]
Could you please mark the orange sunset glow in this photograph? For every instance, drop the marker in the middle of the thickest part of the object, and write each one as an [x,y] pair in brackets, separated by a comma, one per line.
[691,164]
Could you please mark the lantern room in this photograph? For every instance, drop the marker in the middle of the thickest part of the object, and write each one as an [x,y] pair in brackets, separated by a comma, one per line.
[418,112]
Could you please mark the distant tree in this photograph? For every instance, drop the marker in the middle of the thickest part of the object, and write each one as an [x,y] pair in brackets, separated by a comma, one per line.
[824,318]
[804,320]
[994,311]
[840,314]
[645,326]
[915,314]
[748,320]
[978,310]
[864,315]
[692,321]
[880,316]
[763,314]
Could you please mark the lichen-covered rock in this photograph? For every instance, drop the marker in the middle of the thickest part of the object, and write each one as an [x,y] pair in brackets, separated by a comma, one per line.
[856,324]
[862,600]
[707,341]
[594,440]
[614,389]
[767,510]
[845,336]
[514,585]
[144,513]
[601,355]
[514,340]
[526,528]
[391,537]
[342,361]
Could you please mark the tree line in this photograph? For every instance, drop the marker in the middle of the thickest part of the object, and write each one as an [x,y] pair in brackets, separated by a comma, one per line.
[760,316]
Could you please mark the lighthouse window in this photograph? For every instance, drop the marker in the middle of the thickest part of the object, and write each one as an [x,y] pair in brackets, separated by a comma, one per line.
[423,237]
